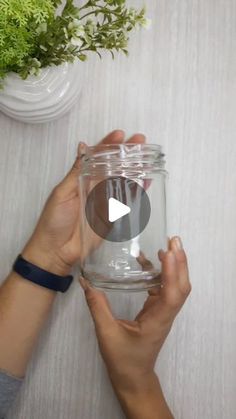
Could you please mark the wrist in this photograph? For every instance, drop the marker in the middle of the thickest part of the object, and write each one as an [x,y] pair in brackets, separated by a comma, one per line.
[136,385]
[45,259]
[144,399]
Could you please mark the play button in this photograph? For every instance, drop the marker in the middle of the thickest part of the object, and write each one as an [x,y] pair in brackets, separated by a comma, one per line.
[118,209]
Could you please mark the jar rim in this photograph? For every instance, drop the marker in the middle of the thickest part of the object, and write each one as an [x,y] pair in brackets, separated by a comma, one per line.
[125,144]
[123,158]
[154,150]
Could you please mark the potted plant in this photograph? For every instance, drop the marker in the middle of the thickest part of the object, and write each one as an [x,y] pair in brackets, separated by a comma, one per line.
[42,43]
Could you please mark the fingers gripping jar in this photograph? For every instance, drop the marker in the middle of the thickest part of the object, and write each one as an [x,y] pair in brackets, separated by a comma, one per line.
[123,215]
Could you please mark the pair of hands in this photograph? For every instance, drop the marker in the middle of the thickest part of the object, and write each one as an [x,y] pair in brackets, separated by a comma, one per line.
[129,348]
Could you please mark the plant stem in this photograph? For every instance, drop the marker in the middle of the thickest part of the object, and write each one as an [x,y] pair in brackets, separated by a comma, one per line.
[85,6]
[110,23]
[88,14]
[100,10]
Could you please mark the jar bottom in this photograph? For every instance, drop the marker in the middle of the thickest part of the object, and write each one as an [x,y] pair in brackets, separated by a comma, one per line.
[142,282]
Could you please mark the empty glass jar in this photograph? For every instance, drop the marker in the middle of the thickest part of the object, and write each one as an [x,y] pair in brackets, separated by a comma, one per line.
[123,213]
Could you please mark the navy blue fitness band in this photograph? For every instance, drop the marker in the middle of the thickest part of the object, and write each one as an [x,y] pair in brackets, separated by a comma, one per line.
[41,277]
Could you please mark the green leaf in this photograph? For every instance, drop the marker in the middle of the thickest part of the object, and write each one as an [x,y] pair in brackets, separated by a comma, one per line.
[34,34]
[82,57]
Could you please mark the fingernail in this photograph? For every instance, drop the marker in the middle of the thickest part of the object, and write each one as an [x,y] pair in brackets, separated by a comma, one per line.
[82,147]
[171,255]
[83,283]
[118,131]
[141,255]
[161,254]
[168,242]
[178,243]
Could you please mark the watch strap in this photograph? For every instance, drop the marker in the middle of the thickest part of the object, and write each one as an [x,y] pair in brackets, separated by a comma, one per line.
[41,277]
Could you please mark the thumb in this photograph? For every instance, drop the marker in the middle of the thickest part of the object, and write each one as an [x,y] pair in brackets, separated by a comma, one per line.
[98,305]
[70,182]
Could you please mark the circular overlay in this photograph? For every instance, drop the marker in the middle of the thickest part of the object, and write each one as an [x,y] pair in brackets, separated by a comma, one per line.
[118,209]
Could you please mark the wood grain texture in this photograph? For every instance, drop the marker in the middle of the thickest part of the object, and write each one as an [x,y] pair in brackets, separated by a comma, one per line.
[179,87]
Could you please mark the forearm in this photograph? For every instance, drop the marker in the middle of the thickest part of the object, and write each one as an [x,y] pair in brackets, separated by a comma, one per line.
[146,401]
[24,308]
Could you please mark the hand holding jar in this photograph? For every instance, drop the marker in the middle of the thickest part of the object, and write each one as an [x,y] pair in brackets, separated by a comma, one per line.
[130,348]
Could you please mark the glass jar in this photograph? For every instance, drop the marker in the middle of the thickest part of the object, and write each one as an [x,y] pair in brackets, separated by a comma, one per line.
[123,215]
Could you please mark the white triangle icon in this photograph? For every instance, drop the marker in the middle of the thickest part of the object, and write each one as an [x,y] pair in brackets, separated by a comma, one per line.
[117,210]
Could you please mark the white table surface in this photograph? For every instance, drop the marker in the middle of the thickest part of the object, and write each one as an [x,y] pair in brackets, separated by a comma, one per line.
[179,87]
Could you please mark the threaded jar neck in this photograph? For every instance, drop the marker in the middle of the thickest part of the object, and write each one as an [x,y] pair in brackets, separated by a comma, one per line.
[123,160]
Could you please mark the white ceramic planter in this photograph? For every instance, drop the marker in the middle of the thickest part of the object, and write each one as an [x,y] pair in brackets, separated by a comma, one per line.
[41,98]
